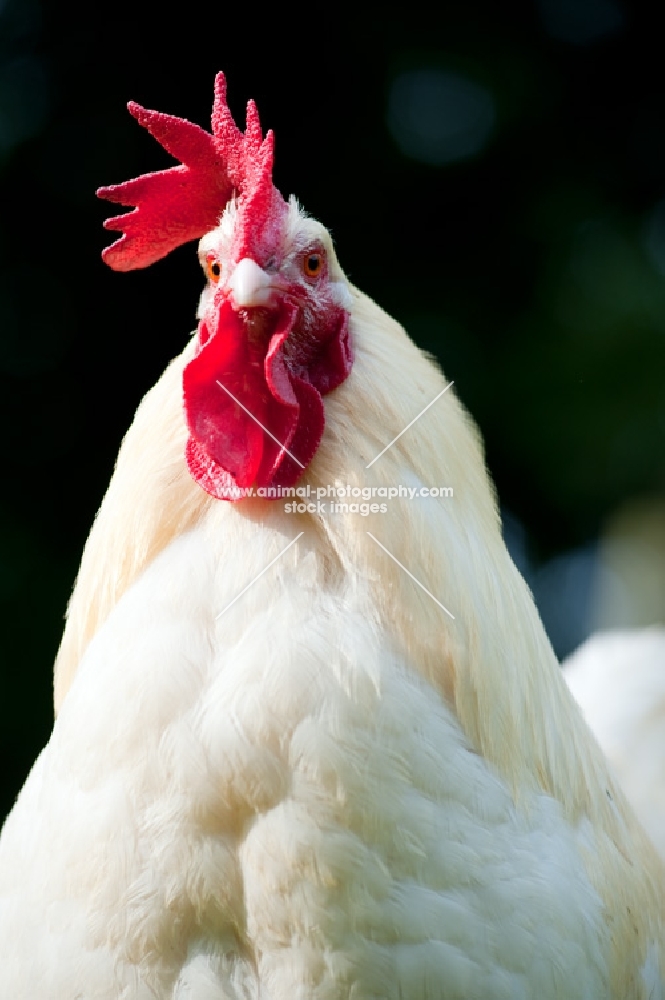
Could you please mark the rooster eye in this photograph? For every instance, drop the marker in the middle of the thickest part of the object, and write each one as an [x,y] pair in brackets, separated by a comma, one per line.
[312,264]
[214,270]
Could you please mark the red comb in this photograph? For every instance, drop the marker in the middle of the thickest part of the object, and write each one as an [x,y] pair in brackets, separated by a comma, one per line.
[183,203]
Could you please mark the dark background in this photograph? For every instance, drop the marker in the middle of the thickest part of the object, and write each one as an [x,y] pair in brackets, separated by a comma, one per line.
[493,176]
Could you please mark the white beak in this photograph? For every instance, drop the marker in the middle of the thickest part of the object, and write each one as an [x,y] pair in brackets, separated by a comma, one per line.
[249,285]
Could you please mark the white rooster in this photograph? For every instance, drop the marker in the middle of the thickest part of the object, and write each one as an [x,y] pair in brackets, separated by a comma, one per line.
[279,769]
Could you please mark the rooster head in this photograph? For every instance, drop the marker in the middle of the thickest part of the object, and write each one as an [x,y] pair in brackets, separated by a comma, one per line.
[273,334]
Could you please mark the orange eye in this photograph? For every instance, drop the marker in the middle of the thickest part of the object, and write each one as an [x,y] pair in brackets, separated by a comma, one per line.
[214,270]
[312,264]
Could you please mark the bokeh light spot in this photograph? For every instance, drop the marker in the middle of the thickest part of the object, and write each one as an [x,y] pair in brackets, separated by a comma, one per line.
[439,117]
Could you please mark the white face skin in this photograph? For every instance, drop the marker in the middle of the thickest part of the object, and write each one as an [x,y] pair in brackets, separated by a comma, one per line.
[250,286]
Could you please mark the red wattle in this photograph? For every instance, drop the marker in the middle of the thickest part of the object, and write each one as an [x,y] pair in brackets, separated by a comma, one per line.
[255,416]
[221,370]
[240,421]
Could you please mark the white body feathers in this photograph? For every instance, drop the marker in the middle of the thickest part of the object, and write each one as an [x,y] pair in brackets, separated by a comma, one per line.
[288,805]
